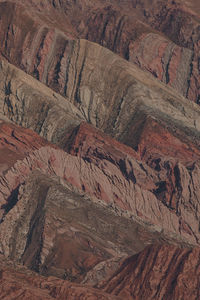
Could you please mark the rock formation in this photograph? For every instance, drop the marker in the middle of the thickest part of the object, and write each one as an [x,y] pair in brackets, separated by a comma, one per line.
[100,149]
[139,31]
[152,279]
[18,282]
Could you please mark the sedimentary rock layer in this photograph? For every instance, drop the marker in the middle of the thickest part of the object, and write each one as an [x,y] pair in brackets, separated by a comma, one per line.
[34,40]
[123,182]
[92,75]
[15,143]
[158,272]
[128,172]
[57,230]
[140,101]
[31,104]
[172,169]
[151,185]
[18,282]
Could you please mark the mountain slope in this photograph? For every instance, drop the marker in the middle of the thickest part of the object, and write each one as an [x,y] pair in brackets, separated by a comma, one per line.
[161,38]
[100,149]
[159,272]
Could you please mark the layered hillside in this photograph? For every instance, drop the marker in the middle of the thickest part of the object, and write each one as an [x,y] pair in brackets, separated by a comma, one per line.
[100,149]
[160,37]
[151,276]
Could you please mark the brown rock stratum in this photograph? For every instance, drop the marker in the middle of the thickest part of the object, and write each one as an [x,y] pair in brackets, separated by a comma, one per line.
[20,283]
[159,272]
[161,37]
[99,149]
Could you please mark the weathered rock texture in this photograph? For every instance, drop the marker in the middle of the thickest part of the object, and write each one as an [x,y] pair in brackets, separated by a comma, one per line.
[162,38]
[31,104]
[19,283]
[105,182]
[158,272]
[173,166]
[100,155]
[91,86]
[112,173]
[15,143]
[58,231]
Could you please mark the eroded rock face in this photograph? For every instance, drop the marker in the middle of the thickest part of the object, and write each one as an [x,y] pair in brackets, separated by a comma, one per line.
[30,104]
[105,182]
[113,110]
[15,143]
[132,29]
[16,281]
[71,228]
[64,233]
[116,166]
[159,272]
[167,166]
[168,62]
[113,174]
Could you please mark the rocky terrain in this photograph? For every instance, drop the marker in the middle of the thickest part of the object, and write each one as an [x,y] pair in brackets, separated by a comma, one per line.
[100,149]
[160,37]
[177,270]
